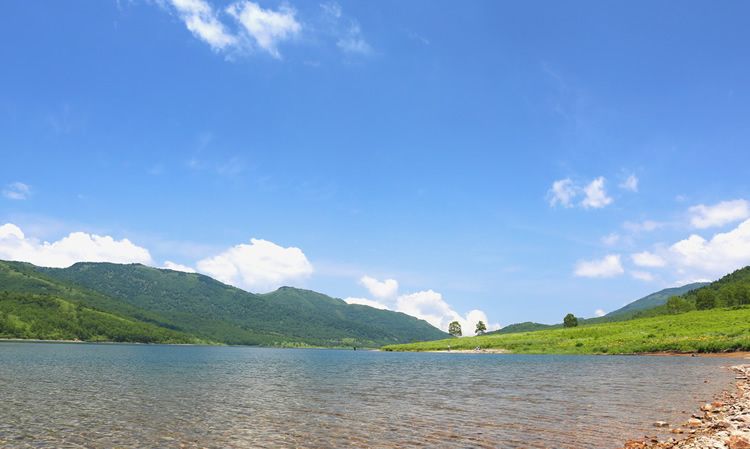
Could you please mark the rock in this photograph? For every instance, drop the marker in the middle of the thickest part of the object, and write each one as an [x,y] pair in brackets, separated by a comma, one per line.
[739,441]
[661,424]
[692,422]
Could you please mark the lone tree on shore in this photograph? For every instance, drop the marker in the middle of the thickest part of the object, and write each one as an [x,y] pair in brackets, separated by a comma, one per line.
[481,328]
[454,329]
[570,320]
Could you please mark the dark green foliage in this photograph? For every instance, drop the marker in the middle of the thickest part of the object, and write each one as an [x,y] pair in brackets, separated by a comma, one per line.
[454,329]
[46,317]
[676,305]
[570,320]
[705,299]
[215,312]
[481,328]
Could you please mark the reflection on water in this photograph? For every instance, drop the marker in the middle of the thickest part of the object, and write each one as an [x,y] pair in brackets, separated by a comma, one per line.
[109,396]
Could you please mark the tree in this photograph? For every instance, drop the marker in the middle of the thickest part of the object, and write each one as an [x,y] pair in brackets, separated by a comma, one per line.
[481,328]
[705,299]
[454,329]
[570,320]
[676,305]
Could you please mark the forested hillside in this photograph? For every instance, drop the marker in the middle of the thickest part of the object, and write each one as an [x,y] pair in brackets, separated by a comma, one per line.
[208,310]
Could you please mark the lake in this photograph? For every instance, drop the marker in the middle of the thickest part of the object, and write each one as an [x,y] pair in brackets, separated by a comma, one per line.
[58,395]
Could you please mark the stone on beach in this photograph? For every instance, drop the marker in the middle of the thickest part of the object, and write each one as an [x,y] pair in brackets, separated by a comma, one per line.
[724,424]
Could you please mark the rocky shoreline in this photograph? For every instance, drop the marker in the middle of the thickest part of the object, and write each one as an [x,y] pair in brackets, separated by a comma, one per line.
[723,424]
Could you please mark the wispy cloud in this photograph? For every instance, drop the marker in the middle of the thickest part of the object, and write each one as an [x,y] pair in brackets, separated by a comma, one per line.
[201,19]
[267,28]
[345,30]
[253,26]
[17,191]
[719,214]
[564,191]
[631,183]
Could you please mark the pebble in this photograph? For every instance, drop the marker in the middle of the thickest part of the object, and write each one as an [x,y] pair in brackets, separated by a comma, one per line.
[723,424]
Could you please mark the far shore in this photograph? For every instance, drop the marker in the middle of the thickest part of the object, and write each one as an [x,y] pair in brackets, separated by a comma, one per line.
[730,355]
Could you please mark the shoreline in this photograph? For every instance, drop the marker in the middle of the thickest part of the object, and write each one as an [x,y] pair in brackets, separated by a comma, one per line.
[723,423]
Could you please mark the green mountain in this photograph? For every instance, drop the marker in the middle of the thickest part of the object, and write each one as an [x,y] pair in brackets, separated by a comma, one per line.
[211,311]
[657,299]
[628,312]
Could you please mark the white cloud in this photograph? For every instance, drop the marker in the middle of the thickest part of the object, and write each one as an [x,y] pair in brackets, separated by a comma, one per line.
[611,239]
[647,259]
[562,193]
[646,226]
[17,191]
[201,20]
[352,41]
[724,253]
[599,312]
[642,276]
[367,302]
[76,247]
[719,214]
[177,267]
[426,305]
[268,28]
[382,291]
[596,194]
[608,267]
[630,184]
[260,266]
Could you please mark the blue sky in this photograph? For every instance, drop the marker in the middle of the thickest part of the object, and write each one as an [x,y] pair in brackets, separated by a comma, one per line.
[502,161]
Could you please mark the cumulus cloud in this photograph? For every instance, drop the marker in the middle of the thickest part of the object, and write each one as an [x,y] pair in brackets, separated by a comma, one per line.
[382,291]
[609,266]
[367,302]
[17,191]
[647,259]
[599,312]
[200,18]
[596,195]
[260,266]
[426,305]
[76,247]
[267,28]
[724,253]
[564,191]
[178,267]
[719,214]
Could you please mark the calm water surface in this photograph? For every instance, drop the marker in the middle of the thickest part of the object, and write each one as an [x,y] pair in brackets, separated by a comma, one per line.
[56,395]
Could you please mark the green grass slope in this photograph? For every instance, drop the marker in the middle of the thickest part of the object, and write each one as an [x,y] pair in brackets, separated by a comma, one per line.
[46,317]
[713,330]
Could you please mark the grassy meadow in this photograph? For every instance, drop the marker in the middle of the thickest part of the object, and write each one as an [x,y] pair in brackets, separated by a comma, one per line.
[714,330]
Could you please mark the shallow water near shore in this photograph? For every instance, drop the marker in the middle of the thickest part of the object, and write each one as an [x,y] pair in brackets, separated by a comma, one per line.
[57,395]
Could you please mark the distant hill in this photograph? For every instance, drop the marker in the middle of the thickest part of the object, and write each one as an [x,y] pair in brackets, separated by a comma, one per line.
[623,314]
[211,311]
[657,299]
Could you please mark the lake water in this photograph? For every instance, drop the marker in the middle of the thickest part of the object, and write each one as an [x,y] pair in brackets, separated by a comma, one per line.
[55,395]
